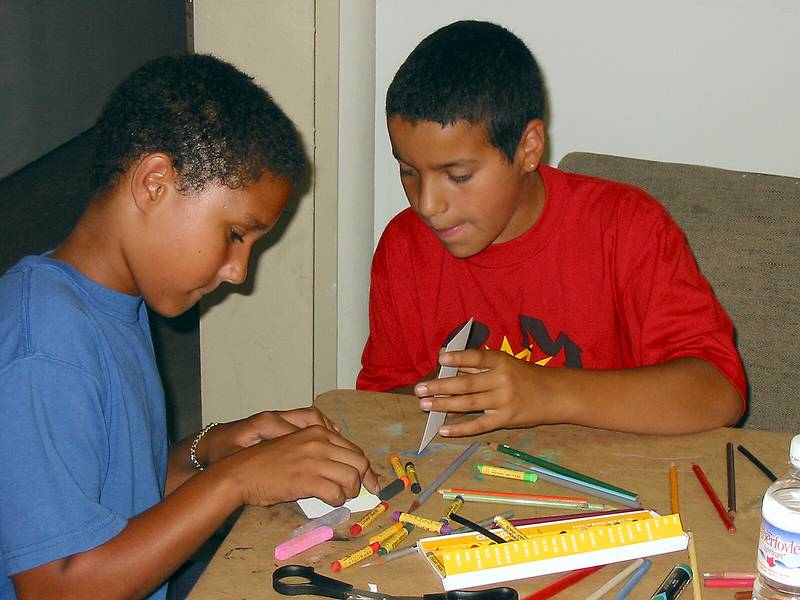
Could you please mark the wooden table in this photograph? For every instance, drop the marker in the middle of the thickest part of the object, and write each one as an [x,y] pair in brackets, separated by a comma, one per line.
[384,423]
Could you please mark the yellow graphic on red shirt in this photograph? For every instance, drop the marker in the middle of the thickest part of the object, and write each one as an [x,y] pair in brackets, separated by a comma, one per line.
[525,354]
[537,345]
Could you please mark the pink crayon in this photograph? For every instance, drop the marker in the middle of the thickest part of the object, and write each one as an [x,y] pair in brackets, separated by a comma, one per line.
[303,542]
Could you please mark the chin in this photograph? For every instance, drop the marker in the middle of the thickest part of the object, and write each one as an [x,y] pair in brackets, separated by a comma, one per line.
[462,251]
[171,309]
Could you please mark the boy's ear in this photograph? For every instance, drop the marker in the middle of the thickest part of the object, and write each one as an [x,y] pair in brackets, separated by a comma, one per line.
[531,145]
[152,178]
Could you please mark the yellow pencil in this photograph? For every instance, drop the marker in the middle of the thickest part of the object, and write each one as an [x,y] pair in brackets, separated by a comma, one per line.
[673,489]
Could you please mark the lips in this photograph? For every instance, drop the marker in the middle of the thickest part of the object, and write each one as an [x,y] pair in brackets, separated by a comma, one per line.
[448,232]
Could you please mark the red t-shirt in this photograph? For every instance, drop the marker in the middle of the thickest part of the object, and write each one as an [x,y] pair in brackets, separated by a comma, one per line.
[603,280]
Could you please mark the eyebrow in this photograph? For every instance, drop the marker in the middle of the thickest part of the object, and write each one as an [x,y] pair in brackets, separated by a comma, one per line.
[447,165]
[253,223]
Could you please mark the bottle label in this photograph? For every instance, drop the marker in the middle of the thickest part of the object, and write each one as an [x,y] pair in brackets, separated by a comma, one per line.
[779,554]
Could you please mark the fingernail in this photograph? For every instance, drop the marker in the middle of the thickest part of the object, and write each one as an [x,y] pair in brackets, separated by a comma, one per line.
[444,431]
[421,390]
[445,358]
[425,404]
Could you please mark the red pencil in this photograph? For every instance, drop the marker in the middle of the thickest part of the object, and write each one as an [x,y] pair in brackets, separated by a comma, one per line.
[563,583]
[723,514]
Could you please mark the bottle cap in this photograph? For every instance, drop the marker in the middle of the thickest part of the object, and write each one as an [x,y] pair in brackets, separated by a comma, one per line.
[794,451]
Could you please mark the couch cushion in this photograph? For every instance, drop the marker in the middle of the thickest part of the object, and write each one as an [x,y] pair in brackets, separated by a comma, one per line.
[744,229]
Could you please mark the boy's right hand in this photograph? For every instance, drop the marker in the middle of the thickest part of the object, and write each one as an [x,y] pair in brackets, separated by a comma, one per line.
[310,462]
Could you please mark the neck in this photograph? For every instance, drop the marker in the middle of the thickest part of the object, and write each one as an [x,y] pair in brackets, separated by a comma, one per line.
[94,248]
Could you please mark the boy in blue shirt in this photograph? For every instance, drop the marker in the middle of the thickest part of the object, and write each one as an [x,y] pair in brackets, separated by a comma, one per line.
[588,305]
[195,163]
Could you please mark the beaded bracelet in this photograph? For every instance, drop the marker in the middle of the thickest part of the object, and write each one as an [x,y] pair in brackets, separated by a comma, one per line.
[196,442]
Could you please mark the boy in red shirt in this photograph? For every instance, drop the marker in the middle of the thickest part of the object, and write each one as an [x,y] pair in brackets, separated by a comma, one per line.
[558,270]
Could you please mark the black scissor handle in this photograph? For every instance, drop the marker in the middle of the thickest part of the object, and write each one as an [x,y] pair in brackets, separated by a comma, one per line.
[498,593]
[314,584]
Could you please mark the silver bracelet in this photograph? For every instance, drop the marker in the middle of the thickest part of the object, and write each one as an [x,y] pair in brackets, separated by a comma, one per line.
[196,442]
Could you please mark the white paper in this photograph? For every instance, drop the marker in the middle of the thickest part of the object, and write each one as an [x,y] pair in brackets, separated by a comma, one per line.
[436,419]
[314,507]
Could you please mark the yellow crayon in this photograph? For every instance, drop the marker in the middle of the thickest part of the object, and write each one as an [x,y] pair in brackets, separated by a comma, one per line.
[353,558]
[422,522]
[395,540]
[507,473]
[514,533]
[411,472]
[386,533]
[437,564]
[357,528]
[454,507]
[398,469]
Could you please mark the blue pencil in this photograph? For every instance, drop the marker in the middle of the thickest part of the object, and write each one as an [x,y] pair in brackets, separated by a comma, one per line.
[637,575]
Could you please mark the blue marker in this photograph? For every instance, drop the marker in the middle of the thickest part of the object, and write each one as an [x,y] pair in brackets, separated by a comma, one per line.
[673,585]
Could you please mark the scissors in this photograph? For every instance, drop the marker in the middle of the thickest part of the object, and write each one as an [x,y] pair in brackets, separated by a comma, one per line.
[318,585]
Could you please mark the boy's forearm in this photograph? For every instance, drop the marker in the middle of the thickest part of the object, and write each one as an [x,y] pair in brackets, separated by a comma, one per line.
[179,467]
[150,548]
[679,396]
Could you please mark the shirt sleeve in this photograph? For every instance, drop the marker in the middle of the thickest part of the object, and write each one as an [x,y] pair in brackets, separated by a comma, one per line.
[670,307]
[55,448]
[386,361]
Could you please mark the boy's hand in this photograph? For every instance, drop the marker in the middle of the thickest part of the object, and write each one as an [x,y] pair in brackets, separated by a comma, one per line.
[227,438]
[509,392]
[313,461]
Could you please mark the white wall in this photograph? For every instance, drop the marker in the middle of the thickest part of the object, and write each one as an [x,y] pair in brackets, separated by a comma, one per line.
[711,82]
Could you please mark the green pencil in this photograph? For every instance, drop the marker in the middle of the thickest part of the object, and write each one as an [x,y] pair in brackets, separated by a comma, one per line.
[546,464]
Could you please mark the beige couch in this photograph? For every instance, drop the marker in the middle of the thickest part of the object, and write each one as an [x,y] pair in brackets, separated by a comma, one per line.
[744,229]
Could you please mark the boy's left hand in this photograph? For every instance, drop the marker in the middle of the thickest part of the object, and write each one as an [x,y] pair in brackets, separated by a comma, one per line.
[509,392]
[227,438]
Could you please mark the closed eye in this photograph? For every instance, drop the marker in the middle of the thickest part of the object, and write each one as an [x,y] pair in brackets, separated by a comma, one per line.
[459,178]
[236,236]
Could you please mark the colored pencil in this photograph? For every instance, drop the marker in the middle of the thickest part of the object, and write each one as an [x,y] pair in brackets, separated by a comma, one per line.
[426,493]
[712,495]
[559,585]
[728,582]
[748,595]
[535,460]
[697,593]
[574,484]
[556,518]
[635,578]
[675,502]
[572,499]
[500,499]
[731,479]
[732,575]
[615,580]
[477,528]
[751,457]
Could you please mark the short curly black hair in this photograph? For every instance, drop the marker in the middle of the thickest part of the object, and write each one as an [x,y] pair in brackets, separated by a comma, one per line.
[471,71]
[213,121]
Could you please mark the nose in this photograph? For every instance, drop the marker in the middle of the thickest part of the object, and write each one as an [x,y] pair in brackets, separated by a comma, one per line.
[430,201]
[235,270]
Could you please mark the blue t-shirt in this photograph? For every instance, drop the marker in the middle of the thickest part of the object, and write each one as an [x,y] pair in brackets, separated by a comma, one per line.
[83,442]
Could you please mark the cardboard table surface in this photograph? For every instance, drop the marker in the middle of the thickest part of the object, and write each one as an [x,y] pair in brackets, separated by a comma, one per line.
[388,423]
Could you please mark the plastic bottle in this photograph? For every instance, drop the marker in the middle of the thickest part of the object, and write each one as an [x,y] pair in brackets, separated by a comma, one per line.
[779,540]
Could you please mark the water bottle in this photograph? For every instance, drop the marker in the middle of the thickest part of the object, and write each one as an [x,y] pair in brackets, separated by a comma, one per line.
[779,541]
